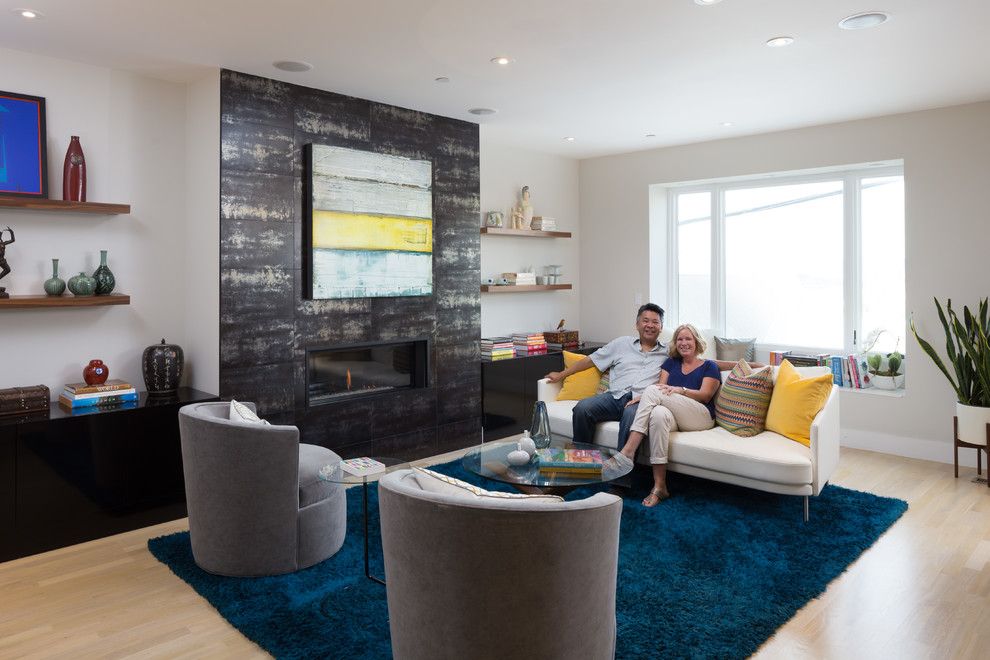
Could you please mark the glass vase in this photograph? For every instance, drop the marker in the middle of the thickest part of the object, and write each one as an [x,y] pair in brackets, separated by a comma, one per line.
[539,430]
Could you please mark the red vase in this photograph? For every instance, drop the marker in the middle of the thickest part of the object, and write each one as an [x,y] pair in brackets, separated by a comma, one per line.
[74,172]
[96,372]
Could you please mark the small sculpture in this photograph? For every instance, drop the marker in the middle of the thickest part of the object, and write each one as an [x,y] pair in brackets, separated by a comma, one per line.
[522,215]
[526,443]
[517,456]
[494,219]
[4,266]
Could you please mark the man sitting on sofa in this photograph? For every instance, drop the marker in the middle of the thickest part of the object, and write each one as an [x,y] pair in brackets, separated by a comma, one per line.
[635,365]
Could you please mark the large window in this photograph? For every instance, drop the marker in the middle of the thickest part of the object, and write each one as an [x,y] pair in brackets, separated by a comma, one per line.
[798,261]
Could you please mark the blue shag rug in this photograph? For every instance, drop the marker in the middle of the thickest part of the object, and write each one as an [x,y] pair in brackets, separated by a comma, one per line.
[712,572]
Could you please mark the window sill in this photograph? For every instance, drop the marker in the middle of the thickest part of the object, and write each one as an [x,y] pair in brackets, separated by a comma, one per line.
[872,391]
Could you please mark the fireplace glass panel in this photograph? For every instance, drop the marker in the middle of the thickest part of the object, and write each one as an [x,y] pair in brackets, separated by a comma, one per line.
[345,372]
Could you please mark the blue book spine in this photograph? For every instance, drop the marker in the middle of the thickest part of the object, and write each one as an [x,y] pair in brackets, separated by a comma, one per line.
[104,401]
[836,364]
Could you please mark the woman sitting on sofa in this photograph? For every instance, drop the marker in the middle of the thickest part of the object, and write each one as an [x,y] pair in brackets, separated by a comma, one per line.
[683,400]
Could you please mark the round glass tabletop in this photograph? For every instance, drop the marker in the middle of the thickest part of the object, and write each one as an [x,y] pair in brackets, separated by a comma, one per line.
[489,460]
[337,473]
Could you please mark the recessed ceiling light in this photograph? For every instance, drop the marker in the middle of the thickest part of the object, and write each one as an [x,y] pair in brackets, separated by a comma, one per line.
[706,2]
[501,60]
[726,124]
[653,135]
[292,65]
[24,12]
[482,111]
[778,42]
[570,138]
[441,79]
[866,19]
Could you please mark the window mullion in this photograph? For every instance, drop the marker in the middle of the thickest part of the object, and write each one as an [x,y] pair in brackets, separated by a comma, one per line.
[852,265]
[718,259]
[673,272]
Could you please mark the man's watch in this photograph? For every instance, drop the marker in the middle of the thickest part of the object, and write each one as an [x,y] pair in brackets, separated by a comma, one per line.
[683,390]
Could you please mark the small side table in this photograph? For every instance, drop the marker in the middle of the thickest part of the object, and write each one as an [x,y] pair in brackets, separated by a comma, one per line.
[957,443]
[335,473]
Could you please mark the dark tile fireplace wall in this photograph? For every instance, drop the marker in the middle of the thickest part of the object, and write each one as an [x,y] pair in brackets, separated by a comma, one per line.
[266,326]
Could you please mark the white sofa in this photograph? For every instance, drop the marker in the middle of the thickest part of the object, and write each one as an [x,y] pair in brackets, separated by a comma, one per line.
[768,461]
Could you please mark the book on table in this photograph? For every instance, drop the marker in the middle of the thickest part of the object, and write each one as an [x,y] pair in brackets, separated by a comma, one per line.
[95,396]
[362,467]
[581,461]
[112,385]
[107,399]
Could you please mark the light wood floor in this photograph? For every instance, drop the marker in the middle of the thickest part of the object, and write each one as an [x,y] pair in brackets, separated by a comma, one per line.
[922,591]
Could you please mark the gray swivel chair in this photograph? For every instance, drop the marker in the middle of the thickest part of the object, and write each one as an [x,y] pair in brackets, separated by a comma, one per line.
[496,579]
[255,500]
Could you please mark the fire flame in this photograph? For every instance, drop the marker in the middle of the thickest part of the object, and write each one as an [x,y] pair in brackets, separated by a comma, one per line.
[348,379]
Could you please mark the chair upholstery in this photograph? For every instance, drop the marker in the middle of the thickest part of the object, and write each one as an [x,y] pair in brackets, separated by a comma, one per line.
[487,578]
[256,503]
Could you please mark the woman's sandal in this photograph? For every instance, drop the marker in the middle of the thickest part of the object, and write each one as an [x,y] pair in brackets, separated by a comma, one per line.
[656,496]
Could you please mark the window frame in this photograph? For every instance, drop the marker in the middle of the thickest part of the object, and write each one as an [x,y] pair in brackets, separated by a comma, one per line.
[851,178]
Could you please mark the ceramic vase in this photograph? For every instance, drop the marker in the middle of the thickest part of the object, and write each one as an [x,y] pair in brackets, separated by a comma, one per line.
[161,366]
[82,285]
[96,372]
[55,286]
[74,172]
[539,430]
[104,278]
[973,424]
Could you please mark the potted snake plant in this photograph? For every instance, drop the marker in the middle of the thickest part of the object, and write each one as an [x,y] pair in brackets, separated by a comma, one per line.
[968,350]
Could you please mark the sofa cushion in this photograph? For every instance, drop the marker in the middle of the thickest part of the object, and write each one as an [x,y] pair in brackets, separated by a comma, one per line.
[241,414]
[735,349]
[795,402]
[764,457]
[580,385]
[312,488]
[434,482]
[742,401]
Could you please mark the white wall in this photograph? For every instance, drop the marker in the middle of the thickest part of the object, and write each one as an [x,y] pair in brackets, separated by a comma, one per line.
[946,168]
[133,133]
[553,183]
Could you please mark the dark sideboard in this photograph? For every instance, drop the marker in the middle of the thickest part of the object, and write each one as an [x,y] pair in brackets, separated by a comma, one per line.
[69,477]
[508,389]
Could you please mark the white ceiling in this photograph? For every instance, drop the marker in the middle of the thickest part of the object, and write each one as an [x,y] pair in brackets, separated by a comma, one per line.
[605,71]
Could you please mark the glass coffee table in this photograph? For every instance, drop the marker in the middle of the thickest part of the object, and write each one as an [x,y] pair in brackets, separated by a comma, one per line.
[336,474]
[489,460]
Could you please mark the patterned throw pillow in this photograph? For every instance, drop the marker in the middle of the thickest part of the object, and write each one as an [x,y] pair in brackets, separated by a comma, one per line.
[604,381]
[471,488]
[243,415]
[743,400]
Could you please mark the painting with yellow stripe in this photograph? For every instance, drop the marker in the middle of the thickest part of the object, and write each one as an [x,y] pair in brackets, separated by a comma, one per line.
[370,229]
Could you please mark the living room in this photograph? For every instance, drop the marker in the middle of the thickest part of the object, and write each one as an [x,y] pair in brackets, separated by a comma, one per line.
[158,141]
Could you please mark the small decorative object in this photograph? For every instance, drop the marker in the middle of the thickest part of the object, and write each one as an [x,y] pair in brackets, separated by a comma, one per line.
[18,400]
[517,456]
[522,215]
[553,273]
[526,443]
[55,286]
[886,371]
[74,172]
[96,372]
[82,285]
[539,430]
[494,219]
[4,266]
[24,150]
[104,278]
[161,366]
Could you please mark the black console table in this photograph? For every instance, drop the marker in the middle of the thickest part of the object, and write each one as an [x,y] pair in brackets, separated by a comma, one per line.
[70,477]
[508,389]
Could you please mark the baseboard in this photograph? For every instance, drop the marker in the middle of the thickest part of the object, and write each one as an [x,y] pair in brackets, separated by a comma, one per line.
[939,451]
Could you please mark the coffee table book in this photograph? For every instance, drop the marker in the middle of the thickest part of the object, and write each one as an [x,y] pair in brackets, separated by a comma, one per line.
[363,466]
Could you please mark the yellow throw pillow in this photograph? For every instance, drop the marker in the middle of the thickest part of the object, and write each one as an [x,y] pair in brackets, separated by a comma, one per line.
[580,385]
[795,403]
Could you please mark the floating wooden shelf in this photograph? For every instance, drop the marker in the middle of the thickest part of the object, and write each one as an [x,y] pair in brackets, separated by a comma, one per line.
[530,233]
[62,206]
[67,300]
[521,288]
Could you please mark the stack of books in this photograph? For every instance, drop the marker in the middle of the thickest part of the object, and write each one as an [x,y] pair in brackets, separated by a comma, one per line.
[111,393]
[570,462]
[497,348]
[543,223]
[529,343]
[806,360]
[851,371]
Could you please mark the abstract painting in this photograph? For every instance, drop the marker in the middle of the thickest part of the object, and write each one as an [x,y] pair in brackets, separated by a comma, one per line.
[369,230]
[23,146]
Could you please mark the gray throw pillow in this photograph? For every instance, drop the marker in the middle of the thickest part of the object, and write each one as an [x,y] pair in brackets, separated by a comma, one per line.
[735,349]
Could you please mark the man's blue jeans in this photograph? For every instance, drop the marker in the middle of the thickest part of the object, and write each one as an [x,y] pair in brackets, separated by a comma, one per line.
[603,408]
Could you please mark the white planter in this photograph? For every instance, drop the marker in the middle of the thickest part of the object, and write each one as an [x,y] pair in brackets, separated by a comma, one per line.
[973,422]
[887,382]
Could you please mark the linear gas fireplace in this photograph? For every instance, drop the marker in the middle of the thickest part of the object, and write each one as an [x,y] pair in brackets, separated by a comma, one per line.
[338,373]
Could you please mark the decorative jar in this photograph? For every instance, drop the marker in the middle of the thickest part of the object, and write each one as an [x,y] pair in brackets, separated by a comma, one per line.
[161,366]
[96,373]
[104,278]
[82,285]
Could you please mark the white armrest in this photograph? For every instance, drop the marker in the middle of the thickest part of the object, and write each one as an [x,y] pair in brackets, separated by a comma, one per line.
[825,436]
[547,391]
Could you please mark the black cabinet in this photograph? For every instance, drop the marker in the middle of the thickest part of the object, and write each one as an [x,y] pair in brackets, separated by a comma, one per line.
[67,478]
[509,390]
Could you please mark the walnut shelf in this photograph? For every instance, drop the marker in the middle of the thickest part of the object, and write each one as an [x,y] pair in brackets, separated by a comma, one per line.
[36,302]
[63,206]
[529,233]
[520,288]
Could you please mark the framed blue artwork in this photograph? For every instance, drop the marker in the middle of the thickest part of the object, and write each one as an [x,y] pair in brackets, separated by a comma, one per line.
[23,152]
